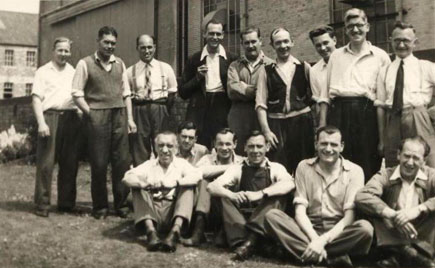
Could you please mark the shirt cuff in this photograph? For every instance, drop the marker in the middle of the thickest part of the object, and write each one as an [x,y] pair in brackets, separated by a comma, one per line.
[350,205]
[77,93]
[379,103]
[325,100]
[300,201]
[261,106]
[172,90]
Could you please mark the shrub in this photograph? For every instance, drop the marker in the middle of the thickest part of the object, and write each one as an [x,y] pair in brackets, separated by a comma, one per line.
[14,145]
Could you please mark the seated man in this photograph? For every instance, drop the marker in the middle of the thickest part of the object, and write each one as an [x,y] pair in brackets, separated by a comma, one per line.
[159,199]
[256,186]
[187,147]
[401,200]
[212,165]
[324,226]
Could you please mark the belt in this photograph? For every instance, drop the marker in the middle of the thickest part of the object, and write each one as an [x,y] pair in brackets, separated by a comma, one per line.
[352,99]
[59,110]
[142,102]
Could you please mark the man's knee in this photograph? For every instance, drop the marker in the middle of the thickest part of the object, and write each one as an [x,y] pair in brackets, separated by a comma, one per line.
[272,217]
[365,229]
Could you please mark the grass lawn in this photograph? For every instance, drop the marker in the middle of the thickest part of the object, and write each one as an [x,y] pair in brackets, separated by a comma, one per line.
[65,240]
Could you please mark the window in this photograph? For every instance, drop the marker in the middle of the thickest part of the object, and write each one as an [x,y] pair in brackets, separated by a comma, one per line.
[7,90]
[30,58]
[381,15]
[29,89]
[231,41]
[9,57]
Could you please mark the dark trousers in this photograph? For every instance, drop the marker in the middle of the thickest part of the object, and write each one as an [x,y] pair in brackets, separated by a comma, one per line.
[242,119]
[238,222]
[411,122]
[108,142]
[217,106]
[354,240]
[150,119]
[63,146]
[295,140]
[357,120]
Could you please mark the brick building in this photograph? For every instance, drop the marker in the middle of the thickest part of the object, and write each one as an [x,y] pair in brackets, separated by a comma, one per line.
[178,24]
[18,53]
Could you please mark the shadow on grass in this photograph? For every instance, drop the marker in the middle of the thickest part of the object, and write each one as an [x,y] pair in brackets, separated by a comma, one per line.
[22,206]
[125,232]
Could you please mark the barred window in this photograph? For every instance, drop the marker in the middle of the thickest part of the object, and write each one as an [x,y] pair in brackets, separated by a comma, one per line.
[9,57]
[231,41]
[29,87]
[7,90]
[30,58]
[381,16]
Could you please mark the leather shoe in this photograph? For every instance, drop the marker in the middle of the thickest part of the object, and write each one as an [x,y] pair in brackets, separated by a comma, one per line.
[196,238]
[42,212]
[154,242]
[340,261]
[98,214]
[244,251]
[412,257]
[169,244]
[123,213]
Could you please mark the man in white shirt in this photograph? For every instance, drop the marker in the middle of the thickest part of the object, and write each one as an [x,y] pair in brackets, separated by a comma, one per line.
[161,200]
[324,41]
[153,85]
[405,89]
[59,130]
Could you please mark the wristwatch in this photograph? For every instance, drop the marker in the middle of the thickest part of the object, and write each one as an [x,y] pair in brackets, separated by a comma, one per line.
[265,195]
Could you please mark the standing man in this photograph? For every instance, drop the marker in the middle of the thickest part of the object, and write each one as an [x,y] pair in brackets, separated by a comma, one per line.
[351,91]
[160,199]
[212,166]
[101,91]
[283,102]
[59,130]
[404,90]
[188,149]
[242,86]
[204,83]
[248,191]
[324,41]
[153,85]
[401,201]
[324,226]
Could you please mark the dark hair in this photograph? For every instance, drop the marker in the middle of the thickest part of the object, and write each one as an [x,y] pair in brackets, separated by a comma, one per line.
[224,131]
[354,13]
[321,31]
[213,21]
[61,39]
[106,30]
[256,133]
[328,130]
[186,125]
[250,30]
[403,25]
[418,139]
[276,30]
[150,36]
[166,133]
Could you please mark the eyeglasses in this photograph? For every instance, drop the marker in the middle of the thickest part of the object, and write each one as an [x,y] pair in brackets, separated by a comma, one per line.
[405,41]
[357,25]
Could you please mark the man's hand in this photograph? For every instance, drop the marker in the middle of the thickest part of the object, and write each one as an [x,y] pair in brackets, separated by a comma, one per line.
[131,126]
[406,215]
[239,198]
[408,230]
[315,251]
[250,91]
[272,139]
[43,130]
[202,71]
[254,196]
[381,148]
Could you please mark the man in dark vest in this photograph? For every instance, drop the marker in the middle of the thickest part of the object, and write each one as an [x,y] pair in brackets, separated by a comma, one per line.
[248,191]
[283,104]
[100,89]
[204,83]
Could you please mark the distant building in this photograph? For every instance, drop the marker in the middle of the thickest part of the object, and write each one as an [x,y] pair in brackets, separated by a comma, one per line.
[18,53]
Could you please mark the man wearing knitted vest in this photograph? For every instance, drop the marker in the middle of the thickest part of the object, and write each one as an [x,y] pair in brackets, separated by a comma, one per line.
[101,91]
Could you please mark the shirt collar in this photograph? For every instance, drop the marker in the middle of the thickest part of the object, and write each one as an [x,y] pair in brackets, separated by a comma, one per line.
[192,152]
[396,174]
[235,159]
[152,63]
[408,60]
[265,162]
[221,52]
[345,164]
[244,60]
[112,58]
[366,49]
[323,63]
[291,59]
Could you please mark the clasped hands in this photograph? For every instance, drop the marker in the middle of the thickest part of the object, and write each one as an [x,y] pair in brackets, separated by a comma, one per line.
[401,220]
[245,197]
[315,251]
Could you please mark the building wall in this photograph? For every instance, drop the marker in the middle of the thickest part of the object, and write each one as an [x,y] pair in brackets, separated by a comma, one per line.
[19,74]
[194,26]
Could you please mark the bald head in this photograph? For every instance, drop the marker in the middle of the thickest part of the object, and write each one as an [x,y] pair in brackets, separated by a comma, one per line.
[146,47]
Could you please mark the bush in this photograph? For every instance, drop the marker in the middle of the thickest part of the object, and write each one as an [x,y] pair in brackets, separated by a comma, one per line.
[14,145]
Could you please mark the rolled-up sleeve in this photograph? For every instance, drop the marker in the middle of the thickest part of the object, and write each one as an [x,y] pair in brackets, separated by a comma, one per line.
[261,94]
[381,91]
[172,80]
[301,195]
[79,80]
[356,182]
[39,84]
[231,177]
[126,91]
[283,182]
[138,175]
[368,199]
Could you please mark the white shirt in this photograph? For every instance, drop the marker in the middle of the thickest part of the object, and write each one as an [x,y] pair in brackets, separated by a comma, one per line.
[408,196]
[53,87]
[162,78]
[213,81]
[318,78]
[419,82]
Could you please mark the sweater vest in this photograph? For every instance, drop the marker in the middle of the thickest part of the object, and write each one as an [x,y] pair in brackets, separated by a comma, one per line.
[103,90]
[300,93]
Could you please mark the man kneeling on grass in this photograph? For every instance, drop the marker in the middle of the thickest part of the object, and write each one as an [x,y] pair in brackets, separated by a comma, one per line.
[162,191]
[248,191]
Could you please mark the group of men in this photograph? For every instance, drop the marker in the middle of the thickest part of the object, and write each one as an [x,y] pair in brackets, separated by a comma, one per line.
[364,107]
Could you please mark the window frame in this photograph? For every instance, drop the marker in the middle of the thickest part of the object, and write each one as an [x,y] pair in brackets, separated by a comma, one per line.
[8,90]
[30,58]
[9,57]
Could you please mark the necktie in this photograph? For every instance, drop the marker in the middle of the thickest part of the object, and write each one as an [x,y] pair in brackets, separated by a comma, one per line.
[147,85]
[398,90]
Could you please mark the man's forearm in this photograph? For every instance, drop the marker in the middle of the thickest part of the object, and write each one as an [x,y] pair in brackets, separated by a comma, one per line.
[323,114]
[279,188]
[219,191]
[37,109]
[338,228]
[306,226]
[127,101]
[381,123]
[212,171]
[82,104]
[262,119]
